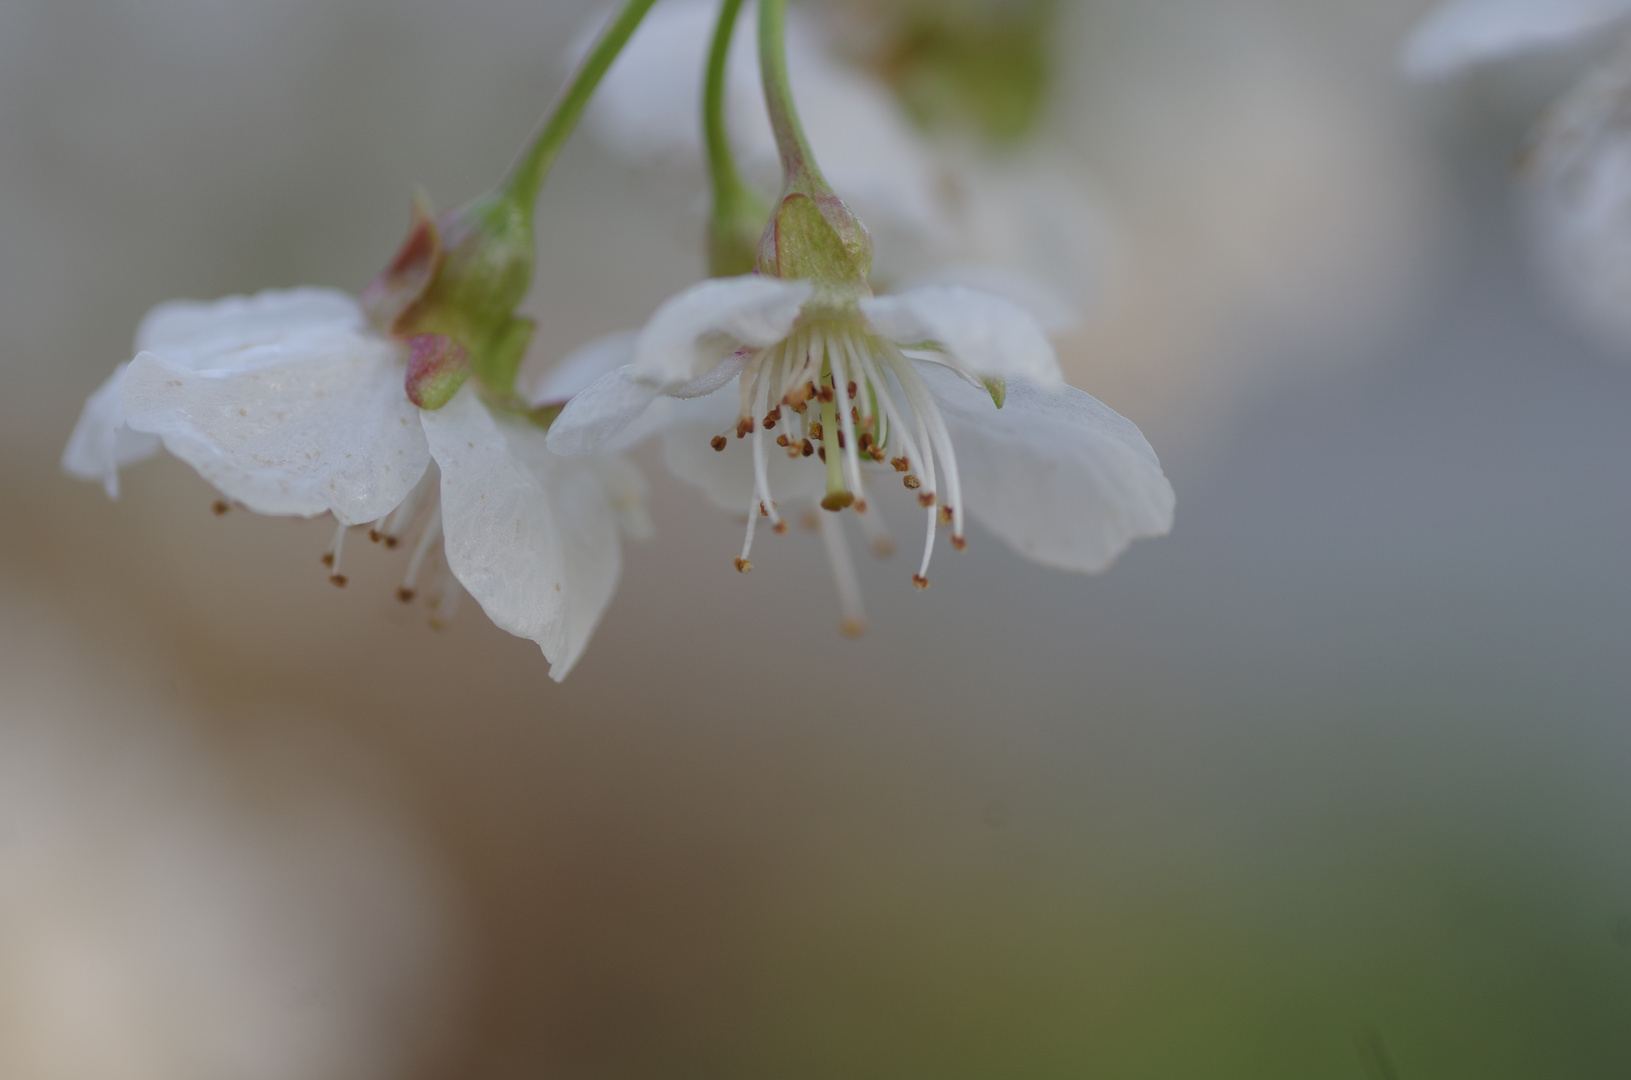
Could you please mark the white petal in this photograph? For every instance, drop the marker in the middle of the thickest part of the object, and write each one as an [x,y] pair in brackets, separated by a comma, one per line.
[696,329]
[1053,312]
[102,442]
[1061,477]
[531,535]
[1464,33]
[988,335]
[300,430]
[626,494]
[725,476]
[215,334]
[582,367]
[601,413]
[1579,198]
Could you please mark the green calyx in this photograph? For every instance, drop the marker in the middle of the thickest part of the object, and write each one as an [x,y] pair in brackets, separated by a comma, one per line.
[458,279]
[816,238]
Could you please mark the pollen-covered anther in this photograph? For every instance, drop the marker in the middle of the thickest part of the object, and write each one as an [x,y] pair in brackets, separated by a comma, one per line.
[719,442]
[772,418]
[783,440]
[780,528]
[912,483]
[826,394]
[851,389]
[405,594]
[744,427]
[853,627]
[959,543]
[328,559]
[809,448]
[946,515]
[817,432]
[901,464]
[920,581]
[219,507]
[926,498]
[744,565]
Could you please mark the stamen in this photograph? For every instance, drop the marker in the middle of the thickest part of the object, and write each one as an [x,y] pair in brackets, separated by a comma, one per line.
[840,376]
[405,512]
[332,559]
[719,442]
[743,563]
[843,572]
[761,474]
[376,531]
[427,540]
[445,597]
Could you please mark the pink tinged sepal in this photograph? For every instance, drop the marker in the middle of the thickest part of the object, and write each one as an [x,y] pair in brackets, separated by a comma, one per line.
[389,298]
[437,367]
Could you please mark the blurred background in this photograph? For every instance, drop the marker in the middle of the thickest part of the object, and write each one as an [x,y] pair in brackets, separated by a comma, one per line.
[1331,783]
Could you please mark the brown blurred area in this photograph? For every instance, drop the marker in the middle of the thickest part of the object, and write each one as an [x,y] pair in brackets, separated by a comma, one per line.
[1330,782]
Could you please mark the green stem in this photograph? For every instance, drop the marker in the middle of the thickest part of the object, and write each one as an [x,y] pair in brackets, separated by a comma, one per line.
[526,176]
[728,186]
[799,168]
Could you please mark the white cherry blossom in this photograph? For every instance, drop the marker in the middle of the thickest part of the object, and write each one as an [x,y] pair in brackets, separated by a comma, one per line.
[1577,176]
[289,402]
[953,392]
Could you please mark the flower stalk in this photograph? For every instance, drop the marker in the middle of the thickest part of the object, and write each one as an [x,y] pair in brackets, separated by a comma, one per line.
[739,214]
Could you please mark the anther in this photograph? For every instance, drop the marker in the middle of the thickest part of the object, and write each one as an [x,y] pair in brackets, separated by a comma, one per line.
[375,535]
[876,454]
[743,426]
[763,512]
[772,418]
[219,507]
[826,394]
[945,515]
[816,430]
[808,448]
[744,565]
[780,528]
[841,443]
[959,543]
[822,450]
[901,464]
[851,389]
[860,506]
[853,627]
[328,559]
[719,442]
[926,499]
[920,581]
[782,440]
[391,541]
[405,594]
[912,483]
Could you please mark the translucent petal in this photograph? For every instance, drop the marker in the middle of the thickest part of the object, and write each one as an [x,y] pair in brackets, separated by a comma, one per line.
[102,443]
[1062,478]
[531,535]
[694,330]
[988,335]
[583,366]
[1463,33]
[299,429]
[215,333]
[601,413]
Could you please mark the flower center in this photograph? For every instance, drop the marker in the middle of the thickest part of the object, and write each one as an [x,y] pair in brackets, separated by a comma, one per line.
[833,392]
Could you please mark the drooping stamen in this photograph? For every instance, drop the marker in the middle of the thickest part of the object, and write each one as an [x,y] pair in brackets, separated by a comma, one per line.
[843,572]
[402,517]
[743,563]
[332,559]
[446,593]
[841,381]
[427,540]
[761,474]
[924,404]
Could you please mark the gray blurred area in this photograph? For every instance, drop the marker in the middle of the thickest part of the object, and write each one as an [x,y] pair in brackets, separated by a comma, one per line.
[1331,783]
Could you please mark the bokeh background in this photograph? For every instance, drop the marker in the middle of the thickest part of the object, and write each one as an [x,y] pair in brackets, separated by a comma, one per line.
[1331,783]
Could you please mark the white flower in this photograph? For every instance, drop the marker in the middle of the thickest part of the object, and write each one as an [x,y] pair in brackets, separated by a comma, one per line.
[1578,171]
[954,392]
[1022,224]
[288,402]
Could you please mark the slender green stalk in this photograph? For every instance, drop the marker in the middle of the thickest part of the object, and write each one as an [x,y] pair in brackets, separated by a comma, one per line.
[721,163]
[526,176]
[799,168]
